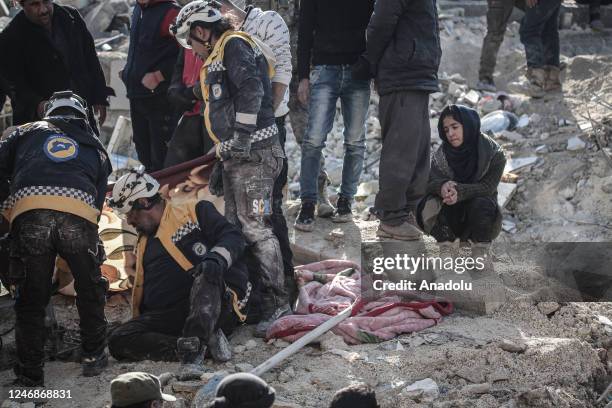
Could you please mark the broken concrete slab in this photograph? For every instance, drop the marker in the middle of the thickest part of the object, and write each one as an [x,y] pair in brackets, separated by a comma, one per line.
[575,143]
[519,162]
[505,191]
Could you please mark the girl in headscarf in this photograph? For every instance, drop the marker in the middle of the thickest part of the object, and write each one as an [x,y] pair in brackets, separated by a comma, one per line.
[462,189]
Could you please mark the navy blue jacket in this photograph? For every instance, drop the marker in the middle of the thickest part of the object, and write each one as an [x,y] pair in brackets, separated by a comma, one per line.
[56,164]
[149,51]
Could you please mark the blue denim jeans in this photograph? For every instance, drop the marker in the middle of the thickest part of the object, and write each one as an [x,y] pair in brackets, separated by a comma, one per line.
[540,33]
[327,84]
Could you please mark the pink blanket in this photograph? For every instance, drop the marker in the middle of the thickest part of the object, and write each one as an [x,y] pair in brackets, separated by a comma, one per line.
[325,293]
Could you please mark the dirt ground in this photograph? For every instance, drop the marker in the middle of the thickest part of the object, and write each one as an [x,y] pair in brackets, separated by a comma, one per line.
[525,354]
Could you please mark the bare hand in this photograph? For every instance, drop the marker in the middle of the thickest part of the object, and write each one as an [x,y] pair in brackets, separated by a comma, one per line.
[446,188]
[40,109]
[100,112]
[532,3]
[451,198]
[152,79]
[304,92]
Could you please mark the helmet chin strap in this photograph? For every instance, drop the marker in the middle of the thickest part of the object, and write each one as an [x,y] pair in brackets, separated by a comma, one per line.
[206,44]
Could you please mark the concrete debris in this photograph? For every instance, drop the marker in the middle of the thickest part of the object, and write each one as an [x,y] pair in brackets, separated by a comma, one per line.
[542,149]
[511,136]
[575,144]
[250,345]
[548,308]
[519,163]
[189,387]
[472,389]
[509,226]
[426,390]
[606,185]
[500,374]
[243,367]
[472,98]
[239,349]
[523,121]
[505,191]
[512,346]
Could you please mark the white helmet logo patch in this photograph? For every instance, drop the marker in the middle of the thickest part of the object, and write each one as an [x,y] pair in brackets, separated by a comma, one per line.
[199,249]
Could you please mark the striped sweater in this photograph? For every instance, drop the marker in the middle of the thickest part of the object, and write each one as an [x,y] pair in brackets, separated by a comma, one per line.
[270,28]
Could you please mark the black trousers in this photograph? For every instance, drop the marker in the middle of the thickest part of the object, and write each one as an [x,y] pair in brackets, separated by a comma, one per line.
[38,236]
[404,161]
[279,223]
[153,122]
[153,334]
[477,219]
[189,141]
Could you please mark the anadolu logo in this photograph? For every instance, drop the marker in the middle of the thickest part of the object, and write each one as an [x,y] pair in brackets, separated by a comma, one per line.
[60,148]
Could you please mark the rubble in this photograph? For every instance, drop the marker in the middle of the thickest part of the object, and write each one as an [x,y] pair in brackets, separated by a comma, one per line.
[575,143]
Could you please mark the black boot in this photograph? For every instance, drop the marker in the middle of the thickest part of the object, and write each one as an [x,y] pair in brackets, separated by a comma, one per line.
[343,211]
[95,364]
[305,219]
[191,354]
[219,347]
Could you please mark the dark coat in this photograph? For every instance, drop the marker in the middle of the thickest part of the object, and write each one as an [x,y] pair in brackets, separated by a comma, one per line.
[36,69]
[403,45]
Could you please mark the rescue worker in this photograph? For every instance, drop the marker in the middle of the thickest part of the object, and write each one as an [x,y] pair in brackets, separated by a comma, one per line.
[190,284]
[58,171]
[239,116]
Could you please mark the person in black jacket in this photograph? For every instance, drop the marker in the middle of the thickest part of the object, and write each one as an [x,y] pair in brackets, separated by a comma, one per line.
[190,279]
[58,171]
[147,74]
[47,48]
[403,53]
[462,189]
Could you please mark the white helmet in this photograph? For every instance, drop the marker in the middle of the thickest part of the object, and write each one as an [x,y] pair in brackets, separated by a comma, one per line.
[129,188]
[199,10]
[66,99]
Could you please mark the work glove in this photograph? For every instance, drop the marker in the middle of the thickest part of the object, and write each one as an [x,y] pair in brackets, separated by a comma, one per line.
[215,182]
[212,268]
[197,91]
[182,98]
[362,70]
[241,146]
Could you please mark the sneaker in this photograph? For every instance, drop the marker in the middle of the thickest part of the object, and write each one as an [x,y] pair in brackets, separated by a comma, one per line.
[262,327]
[343,211]
[191,355]
[486,85]
[403,232]
[94,365]
[325,209]
[305,219]
[219,347]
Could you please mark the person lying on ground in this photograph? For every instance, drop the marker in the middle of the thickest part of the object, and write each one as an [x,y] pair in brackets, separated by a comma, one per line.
[465,173]
[191,286]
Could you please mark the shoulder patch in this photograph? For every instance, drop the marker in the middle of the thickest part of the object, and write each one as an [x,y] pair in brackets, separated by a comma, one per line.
[60,148]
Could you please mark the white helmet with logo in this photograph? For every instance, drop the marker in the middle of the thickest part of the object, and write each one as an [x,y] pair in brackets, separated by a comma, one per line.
[66,99]
[199,10]
[129,188]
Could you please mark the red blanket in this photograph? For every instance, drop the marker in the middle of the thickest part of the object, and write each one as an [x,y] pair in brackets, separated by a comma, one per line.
[324,292]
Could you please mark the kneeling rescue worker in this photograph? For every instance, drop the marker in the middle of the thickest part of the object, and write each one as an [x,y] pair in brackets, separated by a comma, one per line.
[190,285]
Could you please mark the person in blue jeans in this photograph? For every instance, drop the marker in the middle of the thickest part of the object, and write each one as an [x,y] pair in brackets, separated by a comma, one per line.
[331,39]
[540,35]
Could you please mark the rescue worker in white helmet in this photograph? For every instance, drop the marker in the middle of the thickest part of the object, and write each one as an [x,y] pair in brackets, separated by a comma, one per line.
[239,117]
[58,170]
[191,287]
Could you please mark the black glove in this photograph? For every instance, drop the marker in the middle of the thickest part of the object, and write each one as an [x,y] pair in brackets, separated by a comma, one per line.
[182,98]
[215,182]
[241,146]
[361,70]
[212,267]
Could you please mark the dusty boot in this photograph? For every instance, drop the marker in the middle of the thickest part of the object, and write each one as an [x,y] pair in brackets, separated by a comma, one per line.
[94,365]
[325,209]
[272,310]
[533,85]
[305,219]
[407,231]
[343,213]
[219,347]
[553,83]
[486,85]
[191,354]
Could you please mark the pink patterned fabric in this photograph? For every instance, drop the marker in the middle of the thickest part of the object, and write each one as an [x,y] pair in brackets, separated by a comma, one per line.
[325,293]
